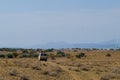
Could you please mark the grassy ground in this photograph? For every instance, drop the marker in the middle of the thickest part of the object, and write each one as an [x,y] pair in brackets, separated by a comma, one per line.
[95,66]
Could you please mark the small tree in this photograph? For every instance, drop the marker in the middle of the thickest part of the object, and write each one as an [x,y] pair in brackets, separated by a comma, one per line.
[80,55]
[15,54]
[108,55]
[9,56]
[2,56]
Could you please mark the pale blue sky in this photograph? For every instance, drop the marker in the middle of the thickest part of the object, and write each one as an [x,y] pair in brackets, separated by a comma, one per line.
[31,22]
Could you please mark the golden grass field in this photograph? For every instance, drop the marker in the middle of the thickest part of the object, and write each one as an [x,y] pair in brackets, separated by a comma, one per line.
[95,66]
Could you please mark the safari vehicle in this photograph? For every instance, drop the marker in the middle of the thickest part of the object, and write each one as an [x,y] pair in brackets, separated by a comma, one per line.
[42,57]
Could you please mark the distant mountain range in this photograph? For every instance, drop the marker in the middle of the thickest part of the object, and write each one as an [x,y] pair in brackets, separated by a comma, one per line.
[58,45]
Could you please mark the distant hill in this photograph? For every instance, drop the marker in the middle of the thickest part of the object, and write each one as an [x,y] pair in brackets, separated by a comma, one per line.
[58,45]
[105,44]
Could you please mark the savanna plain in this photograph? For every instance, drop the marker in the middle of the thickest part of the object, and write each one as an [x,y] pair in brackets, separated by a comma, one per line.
[62,64]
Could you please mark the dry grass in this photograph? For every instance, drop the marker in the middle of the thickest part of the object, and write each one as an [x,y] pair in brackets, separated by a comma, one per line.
[96,66]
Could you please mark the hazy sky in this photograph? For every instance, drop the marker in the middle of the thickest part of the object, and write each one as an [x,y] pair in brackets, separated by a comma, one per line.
[29,22]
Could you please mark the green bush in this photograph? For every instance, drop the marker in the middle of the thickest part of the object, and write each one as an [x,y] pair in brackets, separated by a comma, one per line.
[9,56]
[27,55]
[15,54]
[50,50]
[24,55]
[80,55]
[2,56]
[60,54]
[34,55]
[108,55]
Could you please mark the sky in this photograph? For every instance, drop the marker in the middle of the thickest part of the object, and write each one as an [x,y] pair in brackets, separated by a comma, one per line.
[33,22]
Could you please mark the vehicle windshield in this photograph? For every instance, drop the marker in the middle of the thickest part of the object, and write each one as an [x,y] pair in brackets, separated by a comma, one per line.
[43,54]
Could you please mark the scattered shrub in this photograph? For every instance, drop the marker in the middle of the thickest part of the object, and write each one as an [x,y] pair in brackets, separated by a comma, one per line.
[25,51]
[85,68]
[24,55]
[116,71]
[105,78]
[54,74]
[77,70]
[108,55]
[35,55]
[60,54]
[75,50]
[50,50]
[80,55]
[78,65]
[58,69]
[27,55]
[68,55]
[25,65]
[24,78]
[36,68]
[45,72]
[108,77]
[15,54]
[52,56]
[2,56]
[9,56]
[13,72]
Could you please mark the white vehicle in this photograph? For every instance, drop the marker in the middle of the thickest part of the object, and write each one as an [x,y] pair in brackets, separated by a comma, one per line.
[42,57]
